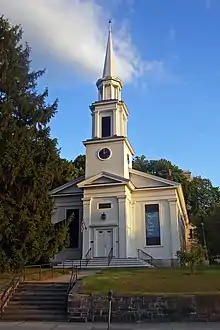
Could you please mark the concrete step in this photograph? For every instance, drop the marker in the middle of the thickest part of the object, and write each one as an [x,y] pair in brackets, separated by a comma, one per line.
[34,300]
[37,302]
[33,311]
[40,305]
[103,263]
[30,292]
[44,286]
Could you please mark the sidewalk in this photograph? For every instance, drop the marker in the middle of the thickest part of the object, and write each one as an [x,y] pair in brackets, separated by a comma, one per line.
[66,277]
[100,326]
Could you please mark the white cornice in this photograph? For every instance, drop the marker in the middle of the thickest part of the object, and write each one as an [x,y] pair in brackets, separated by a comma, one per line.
[109,140]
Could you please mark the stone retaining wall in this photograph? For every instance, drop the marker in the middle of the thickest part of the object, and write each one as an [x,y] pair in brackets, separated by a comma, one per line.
[148,308]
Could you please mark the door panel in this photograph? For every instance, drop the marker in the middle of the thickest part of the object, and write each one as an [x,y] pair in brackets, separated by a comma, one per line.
[100,250]
[108,242]
[104,242]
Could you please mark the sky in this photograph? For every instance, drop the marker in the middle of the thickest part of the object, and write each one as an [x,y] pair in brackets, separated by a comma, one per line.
[167,54]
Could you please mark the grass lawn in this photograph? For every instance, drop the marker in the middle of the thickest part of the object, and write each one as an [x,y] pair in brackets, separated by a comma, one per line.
[153,281]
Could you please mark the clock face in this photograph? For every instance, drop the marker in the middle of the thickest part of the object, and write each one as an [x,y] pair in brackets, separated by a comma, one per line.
[104,153]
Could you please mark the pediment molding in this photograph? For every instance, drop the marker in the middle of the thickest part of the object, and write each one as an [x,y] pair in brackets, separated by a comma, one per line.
[103,178]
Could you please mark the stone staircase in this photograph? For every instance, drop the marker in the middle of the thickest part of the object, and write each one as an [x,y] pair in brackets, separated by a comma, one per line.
[103,263]
[34,301]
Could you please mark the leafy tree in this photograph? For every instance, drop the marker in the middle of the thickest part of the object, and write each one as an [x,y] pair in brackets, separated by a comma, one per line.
[162,168]
[70,170]
[208,229]
[202,197]
[80,165]
[29,158]
[192,256]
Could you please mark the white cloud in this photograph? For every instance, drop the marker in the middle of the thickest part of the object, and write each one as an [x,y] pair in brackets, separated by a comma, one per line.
[75,32]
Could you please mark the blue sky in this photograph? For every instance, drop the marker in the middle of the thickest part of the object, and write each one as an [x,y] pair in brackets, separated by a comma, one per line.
[168,57]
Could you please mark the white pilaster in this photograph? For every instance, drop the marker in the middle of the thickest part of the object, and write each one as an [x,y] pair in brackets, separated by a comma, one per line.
[93,125]
[134,247]
[95,118]
[114,123]
[87,221]
[122,227]
[174,228]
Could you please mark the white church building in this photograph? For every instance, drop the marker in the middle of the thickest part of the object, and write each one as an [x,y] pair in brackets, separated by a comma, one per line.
[121,216]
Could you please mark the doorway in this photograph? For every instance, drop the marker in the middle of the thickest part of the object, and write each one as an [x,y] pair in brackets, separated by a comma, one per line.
[104,242]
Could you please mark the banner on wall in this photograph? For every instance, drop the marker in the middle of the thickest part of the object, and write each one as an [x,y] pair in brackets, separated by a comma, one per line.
[153,227]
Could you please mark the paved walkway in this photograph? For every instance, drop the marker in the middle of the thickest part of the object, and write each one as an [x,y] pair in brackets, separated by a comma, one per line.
[66,277]
[99,326]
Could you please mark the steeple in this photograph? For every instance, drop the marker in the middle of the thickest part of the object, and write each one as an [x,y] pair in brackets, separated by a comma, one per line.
[109,86]
[109,65]
[109,150]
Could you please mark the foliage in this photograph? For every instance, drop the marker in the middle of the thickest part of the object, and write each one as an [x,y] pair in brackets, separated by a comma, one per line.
[29,158]
[70,170]
[210,230]
[192,256]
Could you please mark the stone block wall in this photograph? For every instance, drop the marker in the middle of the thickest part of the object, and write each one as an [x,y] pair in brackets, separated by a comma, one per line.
[148,308]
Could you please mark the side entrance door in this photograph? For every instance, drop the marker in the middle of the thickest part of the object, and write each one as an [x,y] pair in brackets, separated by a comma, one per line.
[104,242]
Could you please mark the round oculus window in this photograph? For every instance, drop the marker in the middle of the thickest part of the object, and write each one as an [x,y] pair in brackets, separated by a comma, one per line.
[104,153]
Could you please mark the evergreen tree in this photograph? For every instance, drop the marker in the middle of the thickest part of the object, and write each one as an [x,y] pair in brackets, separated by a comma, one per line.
[29,158]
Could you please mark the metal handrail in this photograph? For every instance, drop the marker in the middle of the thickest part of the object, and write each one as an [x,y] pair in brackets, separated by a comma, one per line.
[149,257]
[73,279]
[88,256]
[8,292]
[110,256]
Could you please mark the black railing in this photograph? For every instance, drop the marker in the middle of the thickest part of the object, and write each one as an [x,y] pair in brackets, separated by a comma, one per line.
[88,256]
[145,256]
[8,292]
[73,279]
[110,256]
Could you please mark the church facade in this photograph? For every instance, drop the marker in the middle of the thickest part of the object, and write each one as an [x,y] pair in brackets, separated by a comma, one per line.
[117,210]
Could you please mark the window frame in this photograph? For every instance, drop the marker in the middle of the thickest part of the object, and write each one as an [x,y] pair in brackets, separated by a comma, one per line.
[110,126]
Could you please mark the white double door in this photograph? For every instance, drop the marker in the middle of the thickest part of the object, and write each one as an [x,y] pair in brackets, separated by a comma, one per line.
[104,242]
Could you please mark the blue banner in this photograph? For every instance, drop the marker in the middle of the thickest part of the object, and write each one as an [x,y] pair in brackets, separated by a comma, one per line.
[153,226]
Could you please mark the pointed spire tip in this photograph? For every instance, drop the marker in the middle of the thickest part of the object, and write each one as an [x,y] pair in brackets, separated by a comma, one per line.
[110,26]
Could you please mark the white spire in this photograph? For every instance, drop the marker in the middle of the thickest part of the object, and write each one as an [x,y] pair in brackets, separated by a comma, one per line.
[109,66]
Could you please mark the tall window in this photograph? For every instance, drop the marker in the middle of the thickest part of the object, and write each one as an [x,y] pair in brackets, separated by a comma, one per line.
[152,223]
[106,126]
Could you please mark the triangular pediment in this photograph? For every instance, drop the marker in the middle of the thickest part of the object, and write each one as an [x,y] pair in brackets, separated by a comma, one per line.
[69,188]
[146,180]
[103,178]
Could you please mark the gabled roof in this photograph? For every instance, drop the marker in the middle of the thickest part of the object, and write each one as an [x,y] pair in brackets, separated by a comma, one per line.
[162,182]
[66,185]
[103,178]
